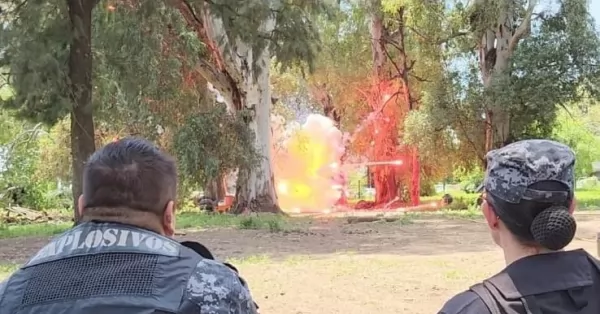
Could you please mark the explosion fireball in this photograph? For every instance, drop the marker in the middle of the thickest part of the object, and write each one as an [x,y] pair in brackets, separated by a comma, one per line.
[306,163]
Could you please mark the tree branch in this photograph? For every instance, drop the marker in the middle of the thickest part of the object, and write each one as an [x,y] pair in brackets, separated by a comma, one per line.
[524,28]
[431,40]
[198,24]
[213,68]
[410,66]
[418,78]
[416,32]
[452,36]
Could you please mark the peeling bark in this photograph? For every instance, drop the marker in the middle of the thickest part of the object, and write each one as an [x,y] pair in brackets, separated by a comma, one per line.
[230,71]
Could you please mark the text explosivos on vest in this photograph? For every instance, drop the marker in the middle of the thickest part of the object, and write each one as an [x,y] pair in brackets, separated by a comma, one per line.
[112,238]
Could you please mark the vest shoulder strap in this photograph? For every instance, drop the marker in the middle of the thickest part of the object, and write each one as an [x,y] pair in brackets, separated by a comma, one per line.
[486,296]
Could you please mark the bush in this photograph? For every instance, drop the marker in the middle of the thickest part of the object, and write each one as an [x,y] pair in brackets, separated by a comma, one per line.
[586,200]
[591,183]
[427,188]
[469,179]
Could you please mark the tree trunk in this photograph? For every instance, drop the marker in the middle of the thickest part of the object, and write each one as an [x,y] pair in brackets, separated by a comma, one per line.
[404,66]
[386,186]
[322,96]
[385,129]
[80,77]
[497,46]
[231,70]
[415,191]
[377,41]
[256,187]
[215,189]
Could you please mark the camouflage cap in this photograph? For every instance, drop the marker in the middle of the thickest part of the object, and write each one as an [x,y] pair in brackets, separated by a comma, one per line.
[513,168]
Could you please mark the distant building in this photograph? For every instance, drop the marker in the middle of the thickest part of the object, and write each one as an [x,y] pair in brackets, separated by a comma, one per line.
[596,169]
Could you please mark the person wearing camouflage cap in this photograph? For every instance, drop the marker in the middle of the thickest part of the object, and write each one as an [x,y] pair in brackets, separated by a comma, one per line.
[122,257]
[528,202]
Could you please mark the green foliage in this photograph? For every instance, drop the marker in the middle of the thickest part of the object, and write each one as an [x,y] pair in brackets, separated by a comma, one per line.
[211,143]
[53,162]
[35,42]
[469,178]
[579,130]
[291,37]
[185,221]
[427,188]
[138,94]
[18,151]
[129,93]
[340,67]
[586,200]
[22,143]
[555,66]
[270,222]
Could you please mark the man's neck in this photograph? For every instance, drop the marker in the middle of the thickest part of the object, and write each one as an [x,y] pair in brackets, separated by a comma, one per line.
[146,225]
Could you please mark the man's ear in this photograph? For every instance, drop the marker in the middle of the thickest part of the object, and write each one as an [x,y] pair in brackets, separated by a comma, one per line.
[490,216]
[80,205]
[169,219]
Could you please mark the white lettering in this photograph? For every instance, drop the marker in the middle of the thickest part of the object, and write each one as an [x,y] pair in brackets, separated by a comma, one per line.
[76,237]
[154,243]
[123,238]
[41,253]
[51,249]
[62,242]
[138,238]
[93,239]
[110,237]
[170,247]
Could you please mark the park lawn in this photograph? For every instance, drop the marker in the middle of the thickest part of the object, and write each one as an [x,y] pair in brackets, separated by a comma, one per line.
[187,221]
[586,199]
[338,267]
[461,207]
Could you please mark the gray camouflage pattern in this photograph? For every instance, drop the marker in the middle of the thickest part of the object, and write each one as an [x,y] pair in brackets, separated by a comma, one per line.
[216,289]
[512,168]
[213,287]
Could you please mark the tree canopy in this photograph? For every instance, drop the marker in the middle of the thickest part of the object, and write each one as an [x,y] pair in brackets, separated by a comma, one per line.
[202,78]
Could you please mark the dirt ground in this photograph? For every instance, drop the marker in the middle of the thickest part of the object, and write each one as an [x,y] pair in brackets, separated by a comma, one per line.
[333,267]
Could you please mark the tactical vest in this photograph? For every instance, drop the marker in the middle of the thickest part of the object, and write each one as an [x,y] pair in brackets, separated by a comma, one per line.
[501,296]
[103,268]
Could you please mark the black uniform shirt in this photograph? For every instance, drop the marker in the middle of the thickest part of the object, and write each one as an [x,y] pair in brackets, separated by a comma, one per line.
[562,282]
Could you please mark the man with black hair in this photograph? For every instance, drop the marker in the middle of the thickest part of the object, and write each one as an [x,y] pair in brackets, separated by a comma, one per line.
[121,258]
[528,201]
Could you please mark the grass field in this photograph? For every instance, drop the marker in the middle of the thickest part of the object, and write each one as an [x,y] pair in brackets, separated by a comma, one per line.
[462,207]
[315,266]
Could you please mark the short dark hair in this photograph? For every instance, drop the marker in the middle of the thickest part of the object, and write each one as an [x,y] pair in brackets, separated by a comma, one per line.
[540,222]
[126,176]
